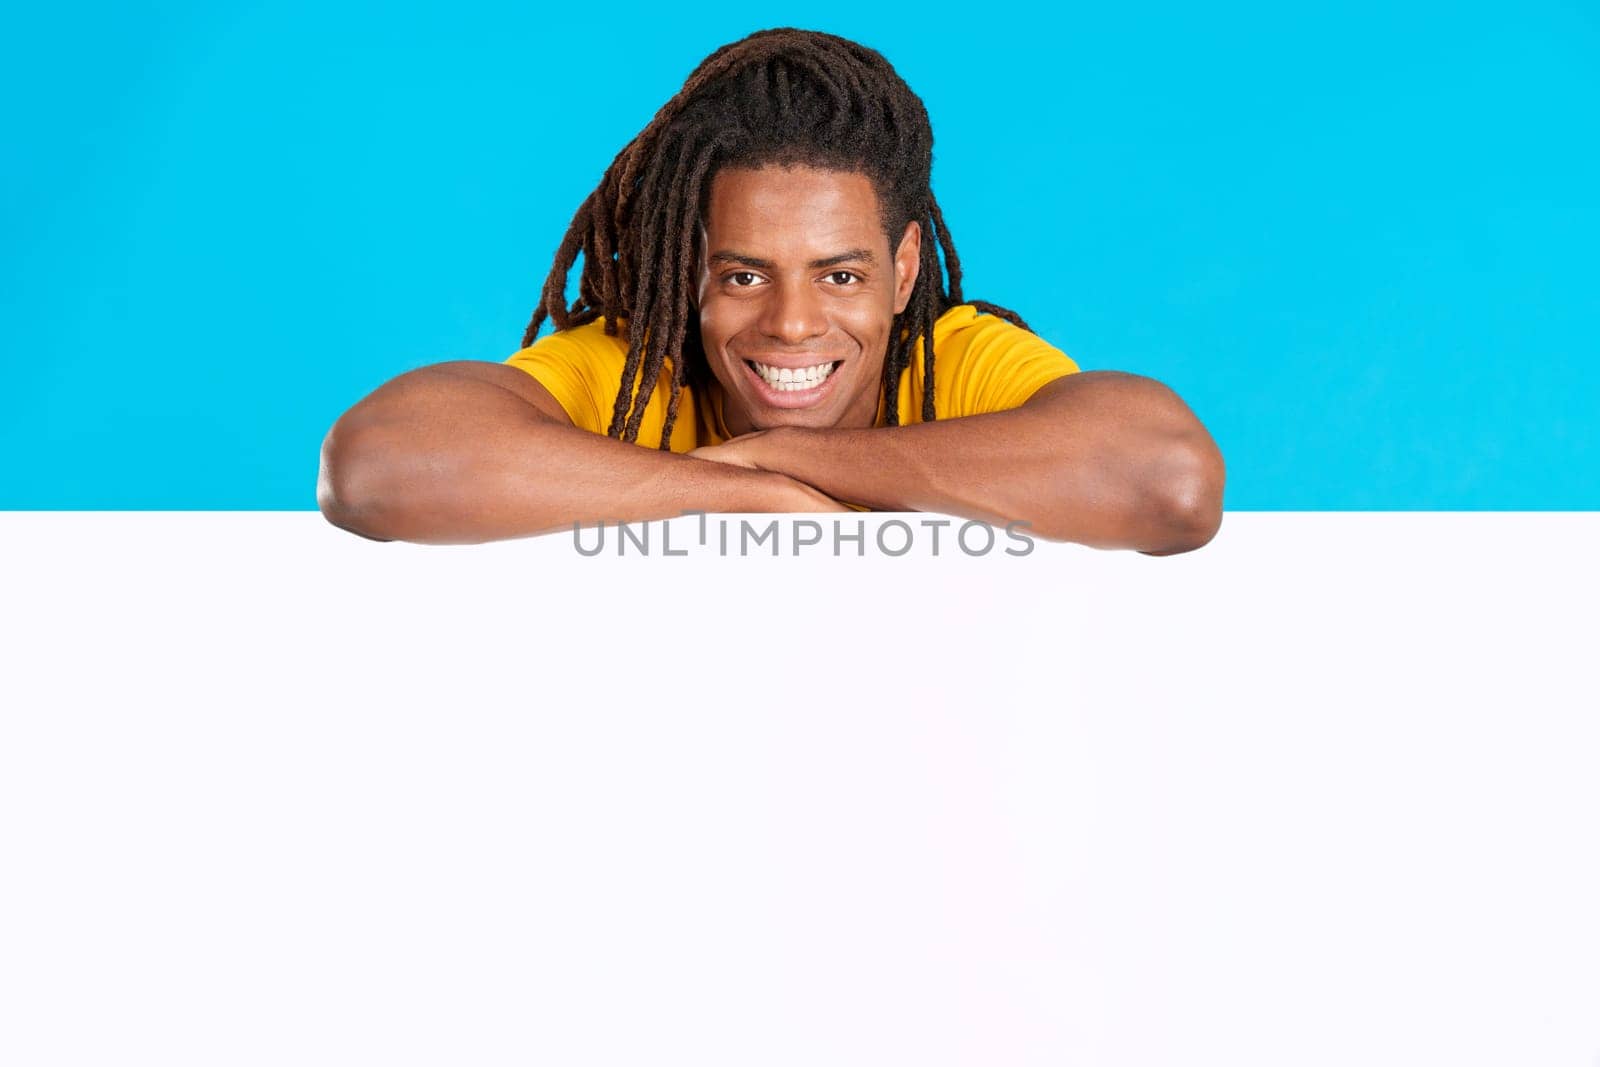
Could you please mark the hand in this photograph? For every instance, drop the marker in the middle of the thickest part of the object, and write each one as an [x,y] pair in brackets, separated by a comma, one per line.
[761,450]
[798,496]
[736,452]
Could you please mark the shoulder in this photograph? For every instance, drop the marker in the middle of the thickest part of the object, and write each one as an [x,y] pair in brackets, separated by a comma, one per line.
[582,368]
[982,363]
[589,343]
[963,329]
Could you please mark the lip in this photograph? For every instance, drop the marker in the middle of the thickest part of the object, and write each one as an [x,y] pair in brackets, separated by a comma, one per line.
[792,398]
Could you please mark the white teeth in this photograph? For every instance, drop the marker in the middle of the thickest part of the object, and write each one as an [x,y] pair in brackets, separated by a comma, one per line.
[788,380]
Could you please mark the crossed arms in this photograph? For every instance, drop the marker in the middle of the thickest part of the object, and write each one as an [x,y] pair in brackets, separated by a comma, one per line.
[467,452]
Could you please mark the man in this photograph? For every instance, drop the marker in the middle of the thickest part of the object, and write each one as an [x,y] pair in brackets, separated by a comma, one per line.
[762,301]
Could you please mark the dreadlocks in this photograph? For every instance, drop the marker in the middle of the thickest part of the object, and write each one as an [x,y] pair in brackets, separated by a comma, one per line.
[783,96]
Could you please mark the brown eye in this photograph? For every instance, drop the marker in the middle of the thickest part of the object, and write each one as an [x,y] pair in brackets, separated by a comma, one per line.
[842,277]
[738,274]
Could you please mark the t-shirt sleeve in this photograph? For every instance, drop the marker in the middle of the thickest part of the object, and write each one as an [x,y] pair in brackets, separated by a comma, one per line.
[991,365]
[574,369]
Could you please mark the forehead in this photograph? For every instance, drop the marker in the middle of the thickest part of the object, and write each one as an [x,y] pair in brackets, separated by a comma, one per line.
[805,209]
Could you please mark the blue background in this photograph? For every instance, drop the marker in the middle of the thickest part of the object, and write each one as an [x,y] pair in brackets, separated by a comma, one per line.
[1360,242]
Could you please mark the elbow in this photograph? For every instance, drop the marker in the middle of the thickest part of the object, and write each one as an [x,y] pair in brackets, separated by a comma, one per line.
[349,475]
[1190,498]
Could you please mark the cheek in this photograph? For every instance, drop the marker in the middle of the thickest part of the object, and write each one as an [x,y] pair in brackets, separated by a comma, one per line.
[719,320]
[868,322]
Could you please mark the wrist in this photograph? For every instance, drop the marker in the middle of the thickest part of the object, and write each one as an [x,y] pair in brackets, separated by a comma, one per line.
[783,449]
[729,487]
[780,492]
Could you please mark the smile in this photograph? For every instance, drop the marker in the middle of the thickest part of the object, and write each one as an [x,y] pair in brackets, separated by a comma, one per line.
[792,388]
[792,379]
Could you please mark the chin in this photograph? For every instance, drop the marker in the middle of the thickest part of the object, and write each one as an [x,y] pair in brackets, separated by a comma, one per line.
[772,420]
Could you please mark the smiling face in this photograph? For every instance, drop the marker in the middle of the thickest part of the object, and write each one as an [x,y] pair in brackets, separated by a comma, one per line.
[798,291]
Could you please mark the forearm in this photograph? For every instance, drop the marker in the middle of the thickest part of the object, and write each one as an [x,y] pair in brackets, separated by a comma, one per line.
[1102,459]
[469,462]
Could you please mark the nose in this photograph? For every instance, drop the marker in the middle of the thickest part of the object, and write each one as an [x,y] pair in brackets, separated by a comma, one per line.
[793,313]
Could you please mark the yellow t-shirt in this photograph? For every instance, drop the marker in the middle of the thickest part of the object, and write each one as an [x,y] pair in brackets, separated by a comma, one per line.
[982,364]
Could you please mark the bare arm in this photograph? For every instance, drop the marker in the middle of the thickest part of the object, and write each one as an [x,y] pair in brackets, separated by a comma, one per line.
[467,451]
[1101,458]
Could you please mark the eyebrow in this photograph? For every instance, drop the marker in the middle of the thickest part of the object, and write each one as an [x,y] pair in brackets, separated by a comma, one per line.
[853,255]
